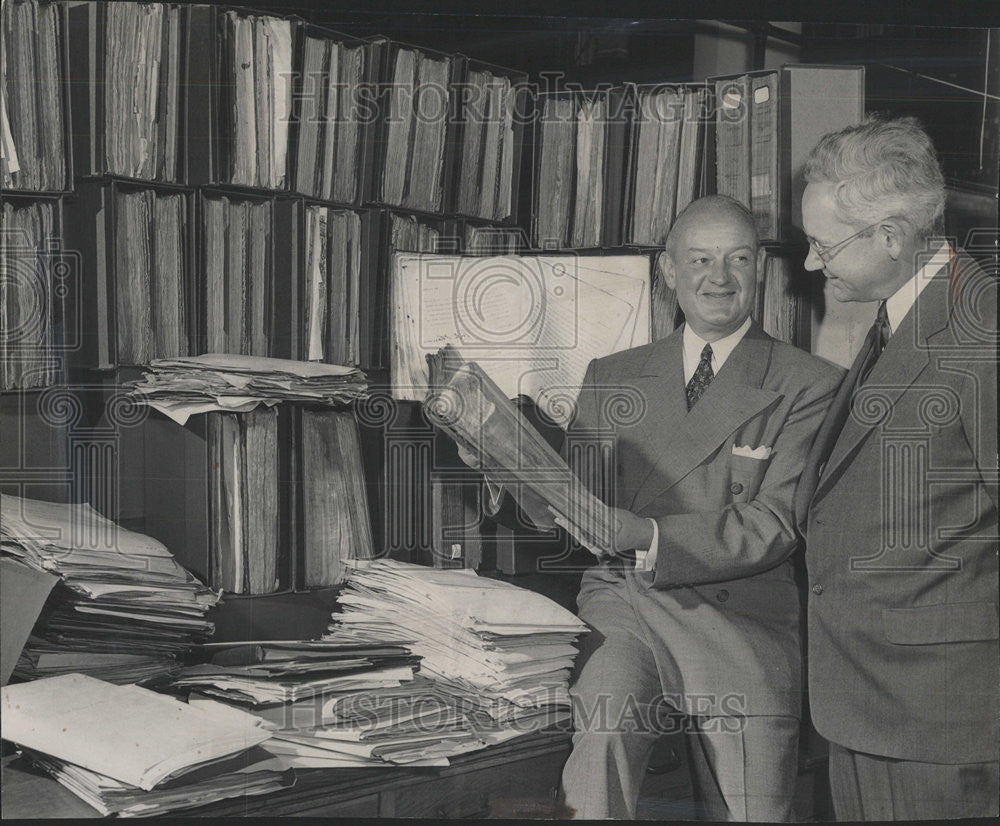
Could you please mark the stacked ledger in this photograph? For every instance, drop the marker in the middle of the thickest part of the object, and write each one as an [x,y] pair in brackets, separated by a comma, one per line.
[130,752]
[124,610]
[497,649]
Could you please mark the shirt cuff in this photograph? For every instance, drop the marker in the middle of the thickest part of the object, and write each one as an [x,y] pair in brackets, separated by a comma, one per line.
[496,492]
[649,556]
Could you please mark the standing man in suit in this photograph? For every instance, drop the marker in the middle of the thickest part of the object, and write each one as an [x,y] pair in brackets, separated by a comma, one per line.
[709,430]
[899,499]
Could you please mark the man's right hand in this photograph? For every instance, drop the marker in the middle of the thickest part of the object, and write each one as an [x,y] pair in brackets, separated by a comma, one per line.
[469,459]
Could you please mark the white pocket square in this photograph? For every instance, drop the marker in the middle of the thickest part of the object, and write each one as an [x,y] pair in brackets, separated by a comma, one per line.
[762,452]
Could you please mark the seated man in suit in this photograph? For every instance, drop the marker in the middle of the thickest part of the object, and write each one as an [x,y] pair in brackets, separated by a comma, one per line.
[701,623]
[899,497]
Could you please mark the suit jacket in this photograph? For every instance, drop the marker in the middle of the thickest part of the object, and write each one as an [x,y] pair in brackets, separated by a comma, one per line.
[901,536]
[722,612]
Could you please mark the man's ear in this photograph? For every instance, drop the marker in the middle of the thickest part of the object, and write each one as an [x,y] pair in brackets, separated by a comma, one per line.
[669,271]
[892,233]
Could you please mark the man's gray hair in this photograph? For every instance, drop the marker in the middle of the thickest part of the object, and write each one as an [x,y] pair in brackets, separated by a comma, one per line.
[882,167]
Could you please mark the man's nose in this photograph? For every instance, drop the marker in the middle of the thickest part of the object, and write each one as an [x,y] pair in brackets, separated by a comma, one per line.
[813,262]
[720,273]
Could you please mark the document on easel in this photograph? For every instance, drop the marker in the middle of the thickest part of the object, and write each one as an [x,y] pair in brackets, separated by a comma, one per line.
[531,323]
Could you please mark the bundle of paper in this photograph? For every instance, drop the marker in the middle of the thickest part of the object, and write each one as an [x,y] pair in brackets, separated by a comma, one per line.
[123,609]
[219,381]
[467,404]
[497,647]
[416,723]
[256,771]
[127,750]
[337,704]
[276,673]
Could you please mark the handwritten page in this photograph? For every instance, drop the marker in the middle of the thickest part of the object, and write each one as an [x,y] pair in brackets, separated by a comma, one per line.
[533,323]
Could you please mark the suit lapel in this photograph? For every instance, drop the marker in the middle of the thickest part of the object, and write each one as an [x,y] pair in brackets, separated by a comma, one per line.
[681,440]
[905,357]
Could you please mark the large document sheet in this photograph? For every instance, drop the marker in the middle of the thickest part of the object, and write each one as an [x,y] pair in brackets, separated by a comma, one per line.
[533,323]
[128,733]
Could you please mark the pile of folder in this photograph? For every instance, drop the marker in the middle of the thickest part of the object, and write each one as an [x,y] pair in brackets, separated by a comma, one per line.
[124,609]
[334,704]
[218,381]
[497,648]
[129,751]
[417,723]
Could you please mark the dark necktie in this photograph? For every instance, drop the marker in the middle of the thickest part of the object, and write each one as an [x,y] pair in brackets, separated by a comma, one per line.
[702,377]
[878,337]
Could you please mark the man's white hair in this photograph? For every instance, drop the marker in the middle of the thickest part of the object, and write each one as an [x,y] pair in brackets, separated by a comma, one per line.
[881,168]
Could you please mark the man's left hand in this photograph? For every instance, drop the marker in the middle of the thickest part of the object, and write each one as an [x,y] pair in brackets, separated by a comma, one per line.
[631,532]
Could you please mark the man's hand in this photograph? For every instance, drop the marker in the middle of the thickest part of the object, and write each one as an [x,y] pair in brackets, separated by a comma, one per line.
[468,458]
[631,532]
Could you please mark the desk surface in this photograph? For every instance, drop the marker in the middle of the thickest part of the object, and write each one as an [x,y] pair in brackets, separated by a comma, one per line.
[523,769]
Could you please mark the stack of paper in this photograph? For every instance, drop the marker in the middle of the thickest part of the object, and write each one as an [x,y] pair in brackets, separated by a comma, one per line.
[280,672]
[417,723]
[129,751]
[125,608]
[218,381]
[500,648]
[336,704]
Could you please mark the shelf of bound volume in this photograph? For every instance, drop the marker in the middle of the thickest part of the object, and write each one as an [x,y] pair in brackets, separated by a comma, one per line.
[40,285]
[35,142]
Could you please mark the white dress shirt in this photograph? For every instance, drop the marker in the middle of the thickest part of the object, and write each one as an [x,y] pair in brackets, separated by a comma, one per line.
[900,302]
[692,346]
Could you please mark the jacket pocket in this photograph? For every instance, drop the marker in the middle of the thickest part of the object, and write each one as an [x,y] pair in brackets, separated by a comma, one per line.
[947,622]
[745,474]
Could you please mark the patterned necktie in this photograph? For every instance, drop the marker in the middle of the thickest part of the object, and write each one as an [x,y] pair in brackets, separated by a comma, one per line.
[879,334]
[702,377]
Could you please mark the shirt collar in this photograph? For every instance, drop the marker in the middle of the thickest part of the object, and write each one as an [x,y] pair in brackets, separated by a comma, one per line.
[694,344]
[899,303]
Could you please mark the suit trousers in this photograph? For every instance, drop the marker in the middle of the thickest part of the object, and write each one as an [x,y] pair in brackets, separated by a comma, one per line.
[870,787]
[743,768]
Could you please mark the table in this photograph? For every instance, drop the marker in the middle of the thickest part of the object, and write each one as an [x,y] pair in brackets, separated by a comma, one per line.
[515,779]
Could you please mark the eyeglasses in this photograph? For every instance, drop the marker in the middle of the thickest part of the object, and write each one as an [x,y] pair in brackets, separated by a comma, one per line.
[826,254]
